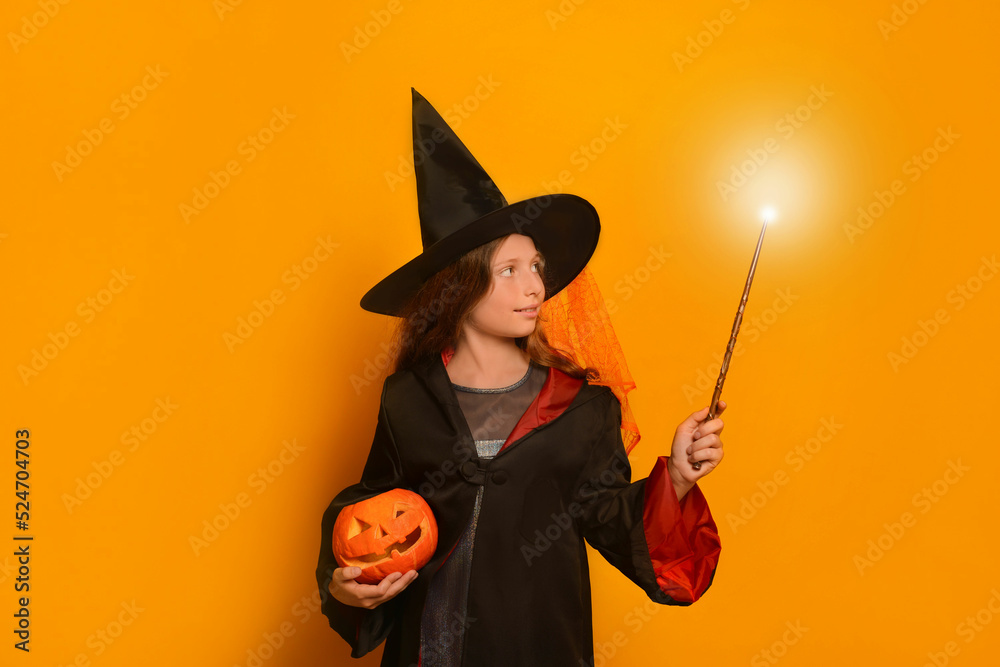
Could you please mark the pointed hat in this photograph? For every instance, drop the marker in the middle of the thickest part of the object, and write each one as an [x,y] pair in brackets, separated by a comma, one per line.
[460,208]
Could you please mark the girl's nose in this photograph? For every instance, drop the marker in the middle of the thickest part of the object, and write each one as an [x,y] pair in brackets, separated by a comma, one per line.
[533,284]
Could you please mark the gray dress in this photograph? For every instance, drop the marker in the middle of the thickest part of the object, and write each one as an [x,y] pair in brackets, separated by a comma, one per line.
[492,414]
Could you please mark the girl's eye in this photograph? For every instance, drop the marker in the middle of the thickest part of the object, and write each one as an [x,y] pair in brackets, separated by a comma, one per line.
[510,268]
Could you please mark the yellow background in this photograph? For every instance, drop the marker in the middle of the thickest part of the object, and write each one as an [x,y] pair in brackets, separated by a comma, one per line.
[558,75]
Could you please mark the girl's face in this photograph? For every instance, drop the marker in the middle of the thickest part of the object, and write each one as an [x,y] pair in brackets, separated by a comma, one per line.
[510,308]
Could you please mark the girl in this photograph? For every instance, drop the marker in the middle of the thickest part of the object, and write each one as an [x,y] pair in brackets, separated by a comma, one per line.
[518,449]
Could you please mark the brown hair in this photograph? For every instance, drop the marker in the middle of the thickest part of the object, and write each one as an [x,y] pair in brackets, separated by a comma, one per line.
[436,315]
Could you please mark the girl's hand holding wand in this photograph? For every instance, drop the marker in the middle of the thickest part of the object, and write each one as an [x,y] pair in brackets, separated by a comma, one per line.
[695,440]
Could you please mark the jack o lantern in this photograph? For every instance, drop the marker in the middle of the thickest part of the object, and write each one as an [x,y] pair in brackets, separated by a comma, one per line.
[394,531]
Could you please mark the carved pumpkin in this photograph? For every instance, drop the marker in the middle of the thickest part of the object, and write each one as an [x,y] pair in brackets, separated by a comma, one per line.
[394,531]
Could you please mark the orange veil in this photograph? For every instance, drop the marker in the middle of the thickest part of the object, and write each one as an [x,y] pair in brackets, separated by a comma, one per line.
[577,324]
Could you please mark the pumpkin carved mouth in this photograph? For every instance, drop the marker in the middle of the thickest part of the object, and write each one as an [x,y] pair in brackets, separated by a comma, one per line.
[399,547]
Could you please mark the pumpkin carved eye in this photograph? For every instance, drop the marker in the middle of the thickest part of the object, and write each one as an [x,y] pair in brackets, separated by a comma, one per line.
[357,527]
[392,532]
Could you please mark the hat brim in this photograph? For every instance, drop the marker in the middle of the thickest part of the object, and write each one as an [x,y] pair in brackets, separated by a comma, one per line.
[564,227]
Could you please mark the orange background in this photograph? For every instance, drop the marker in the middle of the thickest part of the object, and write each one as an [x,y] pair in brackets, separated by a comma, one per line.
[832,302]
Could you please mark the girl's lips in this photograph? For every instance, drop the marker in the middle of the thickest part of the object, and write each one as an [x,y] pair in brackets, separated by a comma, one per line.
[528,311]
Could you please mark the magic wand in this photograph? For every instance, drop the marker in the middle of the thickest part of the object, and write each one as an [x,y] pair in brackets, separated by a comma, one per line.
[714,405]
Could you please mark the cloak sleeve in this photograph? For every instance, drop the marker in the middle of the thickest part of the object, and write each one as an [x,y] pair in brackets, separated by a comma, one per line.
[363,629]
[670,549]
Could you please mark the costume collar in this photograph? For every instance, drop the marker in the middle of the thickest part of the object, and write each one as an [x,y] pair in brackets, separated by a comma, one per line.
[555,396]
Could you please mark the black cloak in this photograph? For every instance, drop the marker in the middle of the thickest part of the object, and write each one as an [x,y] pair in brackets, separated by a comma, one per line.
[563,477]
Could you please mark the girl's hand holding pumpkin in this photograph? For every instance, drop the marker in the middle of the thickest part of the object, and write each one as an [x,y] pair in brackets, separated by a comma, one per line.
[368,596]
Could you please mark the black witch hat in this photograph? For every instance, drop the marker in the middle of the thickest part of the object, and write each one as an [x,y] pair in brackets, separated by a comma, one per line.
[460,208]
